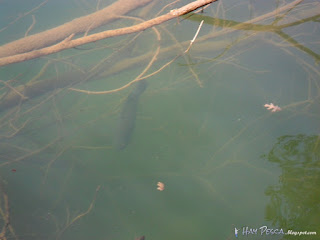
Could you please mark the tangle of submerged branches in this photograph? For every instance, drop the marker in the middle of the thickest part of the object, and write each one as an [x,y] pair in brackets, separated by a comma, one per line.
[13,89]
[16,129]
[23,48]
[34,89]
[242,25]
[69,43]
[140,76]
[81,215]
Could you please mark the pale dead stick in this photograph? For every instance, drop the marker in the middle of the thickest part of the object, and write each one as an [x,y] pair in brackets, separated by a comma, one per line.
[195,36]
[191,42]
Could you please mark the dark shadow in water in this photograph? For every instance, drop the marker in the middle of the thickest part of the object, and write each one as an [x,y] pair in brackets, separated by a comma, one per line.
[126,122]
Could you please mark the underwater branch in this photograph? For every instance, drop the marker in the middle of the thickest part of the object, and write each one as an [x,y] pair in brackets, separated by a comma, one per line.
[69,43]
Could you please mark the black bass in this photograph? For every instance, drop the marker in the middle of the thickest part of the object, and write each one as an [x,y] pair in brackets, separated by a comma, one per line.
[127,119]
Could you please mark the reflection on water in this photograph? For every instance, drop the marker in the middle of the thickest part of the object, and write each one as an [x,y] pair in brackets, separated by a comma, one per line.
[294,200]
[201,129]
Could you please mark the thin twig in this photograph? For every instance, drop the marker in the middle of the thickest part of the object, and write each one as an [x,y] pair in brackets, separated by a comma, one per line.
[81,215]
[98,5]
[31,26]
[13,89]
[195,36]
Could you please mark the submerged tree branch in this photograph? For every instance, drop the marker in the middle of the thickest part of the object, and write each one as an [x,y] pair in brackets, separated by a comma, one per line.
[76,26]
[68,43]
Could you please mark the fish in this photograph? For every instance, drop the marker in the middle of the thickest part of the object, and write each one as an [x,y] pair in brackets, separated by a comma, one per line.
[127,118]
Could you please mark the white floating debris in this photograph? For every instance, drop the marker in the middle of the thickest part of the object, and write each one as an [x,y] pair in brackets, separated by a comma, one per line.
[160,186]
[272,107]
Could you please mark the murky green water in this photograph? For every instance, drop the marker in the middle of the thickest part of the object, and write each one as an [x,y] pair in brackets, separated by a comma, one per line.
[201,128]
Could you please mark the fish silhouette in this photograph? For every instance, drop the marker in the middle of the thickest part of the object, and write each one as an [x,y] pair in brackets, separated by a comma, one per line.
[127,119]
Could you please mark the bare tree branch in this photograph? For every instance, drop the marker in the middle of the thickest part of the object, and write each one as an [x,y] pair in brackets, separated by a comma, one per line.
[68,43]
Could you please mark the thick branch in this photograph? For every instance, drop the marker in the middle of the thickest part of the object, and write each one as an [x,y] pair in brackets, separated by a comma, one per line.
[68,43]
[76,26]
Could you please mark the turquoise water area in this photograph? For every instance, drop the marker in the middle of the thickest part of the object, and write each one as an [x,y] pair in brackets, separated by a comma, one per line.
[201,128]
